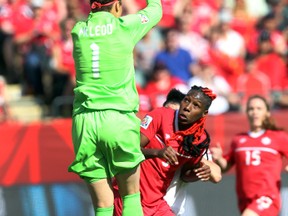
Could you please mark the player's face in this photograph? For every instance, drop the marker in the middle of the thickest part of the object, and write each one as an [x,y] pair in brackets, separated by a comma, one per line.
[192,108]
[257,112]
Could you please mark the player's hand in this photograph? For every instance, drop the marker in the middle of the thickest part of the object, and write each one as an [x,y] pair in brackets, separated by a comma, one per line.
[168,154]
[203,172]
[286,168]
[217,152]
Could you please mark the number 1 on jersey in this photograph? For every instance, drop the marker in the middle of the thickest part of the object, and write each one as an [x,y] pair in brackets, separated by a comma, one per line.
[95,60]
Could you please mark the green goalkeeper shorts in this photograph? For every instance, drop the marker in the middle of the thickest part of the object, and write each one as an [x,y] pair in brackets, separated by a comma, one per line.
[106,143]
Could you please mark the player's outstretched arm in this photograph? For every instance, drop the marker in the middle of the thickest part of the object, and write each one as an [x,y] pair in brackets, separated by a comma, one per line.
[217,154]
[215,175]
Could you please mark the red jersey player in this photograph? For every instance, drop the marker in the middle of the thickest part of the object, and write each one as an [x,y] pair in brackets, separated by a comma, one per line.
[257,156]
[170,140]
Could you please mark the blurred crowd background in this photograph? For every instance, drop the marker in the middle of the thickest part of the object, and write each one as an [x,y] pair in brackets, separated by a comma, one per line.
[235,47]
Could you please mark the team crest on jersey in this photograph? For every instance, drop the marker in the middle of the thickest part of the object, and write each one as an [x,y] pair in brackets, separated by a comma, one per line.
[167,136]
[264,202]
[165,164]
[266,141]
[144,19]
[146,121]
[242,140]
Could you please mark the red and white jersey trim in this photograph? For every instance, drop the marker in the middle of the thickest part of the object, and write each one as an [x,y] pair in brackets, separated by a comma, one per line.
[264,149]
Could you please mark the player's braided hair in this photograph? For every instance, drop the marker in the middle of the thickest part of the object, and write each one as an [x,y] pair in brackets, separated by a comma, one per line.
[193,149]
[190,138]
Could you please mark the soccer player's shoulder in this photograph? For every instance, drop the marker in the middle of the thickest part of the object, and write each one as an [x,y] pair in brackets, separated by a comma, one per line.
[280,134]
[164,111]
[78,25]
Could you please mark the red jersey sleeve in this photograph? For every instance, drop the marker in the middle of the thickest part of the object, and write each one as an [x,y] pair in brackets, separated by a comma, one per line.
[151,123]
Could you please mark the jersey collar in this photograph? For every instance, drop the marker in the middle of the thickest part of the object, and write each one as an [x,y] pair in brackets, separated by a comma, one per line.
[176,125]
[256,134]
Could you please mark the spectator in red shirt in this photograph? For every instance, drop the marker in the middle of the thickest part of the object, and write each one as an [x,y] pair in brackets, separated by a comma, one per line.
[36,41]
[189,39]
[272,64]
[252,82]
[227,50]
[161,83]
[63,63]
[204,14]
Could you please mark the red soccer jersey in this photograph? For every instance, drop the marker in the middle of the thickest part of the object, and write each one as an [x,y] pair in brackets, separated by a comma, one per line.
[158,126]
[258,163]
[66,49]
[275,68]
[22,19]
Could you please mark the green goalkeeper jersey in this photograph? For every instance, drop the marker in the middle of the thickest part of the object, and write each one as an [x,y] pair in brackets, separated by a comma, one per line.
[103,55]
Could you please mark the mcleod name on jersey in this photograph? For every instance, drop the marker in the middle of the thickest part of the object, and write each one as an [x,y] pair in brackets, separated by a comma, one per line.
[103,54]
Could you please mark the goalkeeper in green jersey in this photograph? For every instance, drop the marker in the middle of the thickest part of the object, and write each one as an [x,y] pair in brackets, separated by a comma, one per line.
[105,128]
